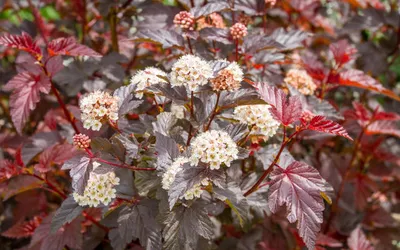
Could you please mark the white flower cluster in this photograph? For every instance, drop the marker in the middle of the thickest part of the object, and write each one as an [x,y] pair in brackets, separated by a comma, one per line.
[99,189]
[98,107]
[300,80]
[259,117]
[213,147]
[147,77]
[228,78]
[169,177]
[190,71]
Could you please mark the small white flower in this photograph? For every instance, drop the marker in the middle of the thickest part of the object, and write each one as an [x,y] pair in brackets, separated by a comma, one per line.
[214,148]
[147,77]
[98,107]
[259,117]
[190,71]
[99,189]
[169,176]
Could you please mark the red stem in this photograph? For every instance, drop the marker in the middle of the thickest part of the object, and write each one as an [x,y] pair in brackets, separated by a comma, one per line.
[189,44]
[123,165]
[285,141]
[67,114]
[237,50]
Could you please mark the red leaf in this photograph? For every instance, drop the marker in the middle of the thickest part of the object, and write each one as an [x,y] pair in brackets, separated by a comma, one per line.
[26,89]
[357,78]
[298,187]
[387,116]
[54,155]
[358,241]
[22,42]
[69,235]
[69,46]
[321,124]
[8,169]
[383,128]
[342,52]
[313,66]
[23,229]
[325,240]
[286,110]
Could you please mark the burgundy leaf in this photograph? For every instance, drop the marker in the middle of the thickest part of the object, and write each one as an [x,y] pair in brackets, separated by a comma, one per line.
[358,241]
[22,42]
[23,229]
[325,240]
[26,89]
[299,187]
[342,52]
[69,46]
[286,110]
[386,116]
[54,155]
[357,78]
[384,128]
[8,169]
[321,124]
[69,235]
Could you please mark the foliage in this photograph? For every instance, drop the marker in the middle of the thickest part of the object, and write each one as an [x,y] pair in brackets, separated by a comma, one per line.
[173,162]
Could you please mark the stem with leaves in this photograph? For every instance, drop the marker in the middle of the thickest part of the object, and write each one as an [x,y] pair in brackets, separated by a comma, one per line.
[285,141]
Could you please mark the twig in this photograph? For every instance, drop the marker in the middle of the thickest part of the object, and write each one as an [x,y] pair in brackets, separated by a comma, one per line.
[189,44]
[113,26]
[285,141]
[123,165]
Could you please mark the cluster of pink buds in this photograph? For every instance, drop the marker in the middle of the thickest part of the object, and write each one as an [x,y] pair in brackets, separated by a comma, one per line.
[238,31]
[81,141]
[184,20]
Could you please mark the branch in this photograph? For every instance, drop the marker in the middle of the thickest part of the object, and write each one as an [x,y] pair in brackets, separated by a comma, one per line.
[285,141]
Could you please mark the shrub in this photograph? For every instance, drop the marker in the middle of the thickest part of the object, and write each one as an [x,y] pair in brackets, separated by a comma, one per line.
[244,124]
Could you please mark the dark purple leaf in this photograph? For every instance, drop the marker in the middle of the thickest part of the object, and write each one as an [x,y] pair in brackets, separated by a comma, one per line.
[298,187]
[66,213]
[216,34]
[209,9]
[80,167]
[167,38]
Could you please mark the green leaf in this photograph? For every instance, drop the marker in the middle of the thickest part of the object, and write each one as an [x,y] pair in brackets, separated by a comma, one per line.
[49,13]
